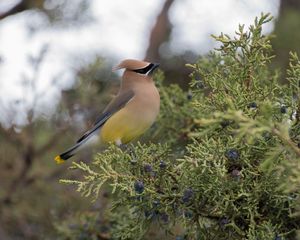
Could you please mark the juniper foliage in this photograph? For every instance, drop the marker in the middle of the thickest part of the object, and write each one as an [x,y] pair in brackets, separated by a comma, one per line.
[226,165]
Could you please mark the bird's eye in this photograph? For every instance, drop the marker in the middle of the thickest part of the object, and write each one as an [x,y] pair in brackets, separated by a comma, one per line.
[144,70]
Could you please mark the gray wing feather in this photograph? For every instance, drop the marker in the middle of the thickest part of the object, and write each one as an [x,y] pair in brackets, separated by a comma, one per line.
[114,106]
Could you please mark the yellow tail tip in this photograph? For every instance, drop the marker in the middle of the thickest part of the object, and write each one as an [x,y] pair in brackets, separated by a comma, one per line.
[59,160]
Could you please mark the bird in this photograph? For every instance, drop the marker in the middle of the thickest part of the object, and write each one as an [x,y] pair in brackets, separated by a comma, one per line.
[129,114]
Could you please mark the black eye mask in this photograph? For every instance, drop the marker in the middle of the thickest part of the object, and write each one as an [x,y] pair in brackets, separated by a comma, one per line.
[144,70]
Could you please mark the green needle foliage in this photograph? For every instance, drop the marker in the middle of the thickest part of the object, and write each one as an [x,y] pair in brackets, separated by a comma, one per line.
[227,162]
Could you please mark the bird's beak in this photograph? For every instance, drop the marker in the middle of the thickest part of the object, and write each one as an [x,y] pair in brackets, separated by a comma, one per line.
[155,65]
[116,68]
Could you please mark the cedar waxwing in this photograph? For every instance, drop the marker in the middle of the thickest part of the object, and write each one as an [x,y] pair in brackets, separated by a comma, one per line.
[129,114]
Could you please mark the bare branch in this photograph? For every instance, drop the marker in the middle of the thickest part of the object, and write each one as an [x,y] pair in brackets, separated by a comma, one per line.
[19,7]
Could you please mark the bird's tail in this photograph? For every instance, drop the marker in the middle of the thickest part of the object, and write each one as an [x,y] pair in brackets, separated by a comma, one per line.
[74,149]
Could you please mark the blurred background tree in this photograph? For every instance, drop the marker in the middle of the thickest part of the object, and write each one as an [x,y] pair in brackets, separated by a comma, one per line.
[27,169]
[29,176]
[287,33]
[62,12]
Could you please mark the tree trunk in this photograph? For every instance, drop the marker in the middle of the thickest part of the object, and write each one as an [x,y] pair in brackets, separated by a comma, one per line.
[287,35]
[159,33]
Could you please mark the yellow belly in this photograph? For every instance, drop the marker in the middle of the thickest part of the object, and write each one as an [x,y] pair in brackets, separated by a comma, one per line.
[124,127]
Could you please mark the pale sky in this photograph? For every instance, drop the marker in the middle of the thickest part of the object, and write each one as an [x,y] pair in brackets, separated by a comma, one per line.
[121,29]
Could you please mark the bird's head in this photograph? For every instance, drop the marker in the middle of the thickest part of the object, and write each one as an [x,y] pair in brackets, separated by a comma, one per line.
[139,67]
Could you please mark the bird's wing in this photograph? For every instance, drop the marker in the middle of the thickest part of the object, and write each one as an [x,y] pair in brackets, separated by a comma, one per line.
[114,106]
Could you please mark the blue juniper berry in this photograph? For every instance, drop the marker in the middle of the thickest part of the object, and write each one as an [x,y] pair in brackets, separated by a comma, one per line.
[252,105]
[139,187]
[164,217]
[147,168]
[162,165]
[283,109]
[232,154]
[187,195]
[189,95]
